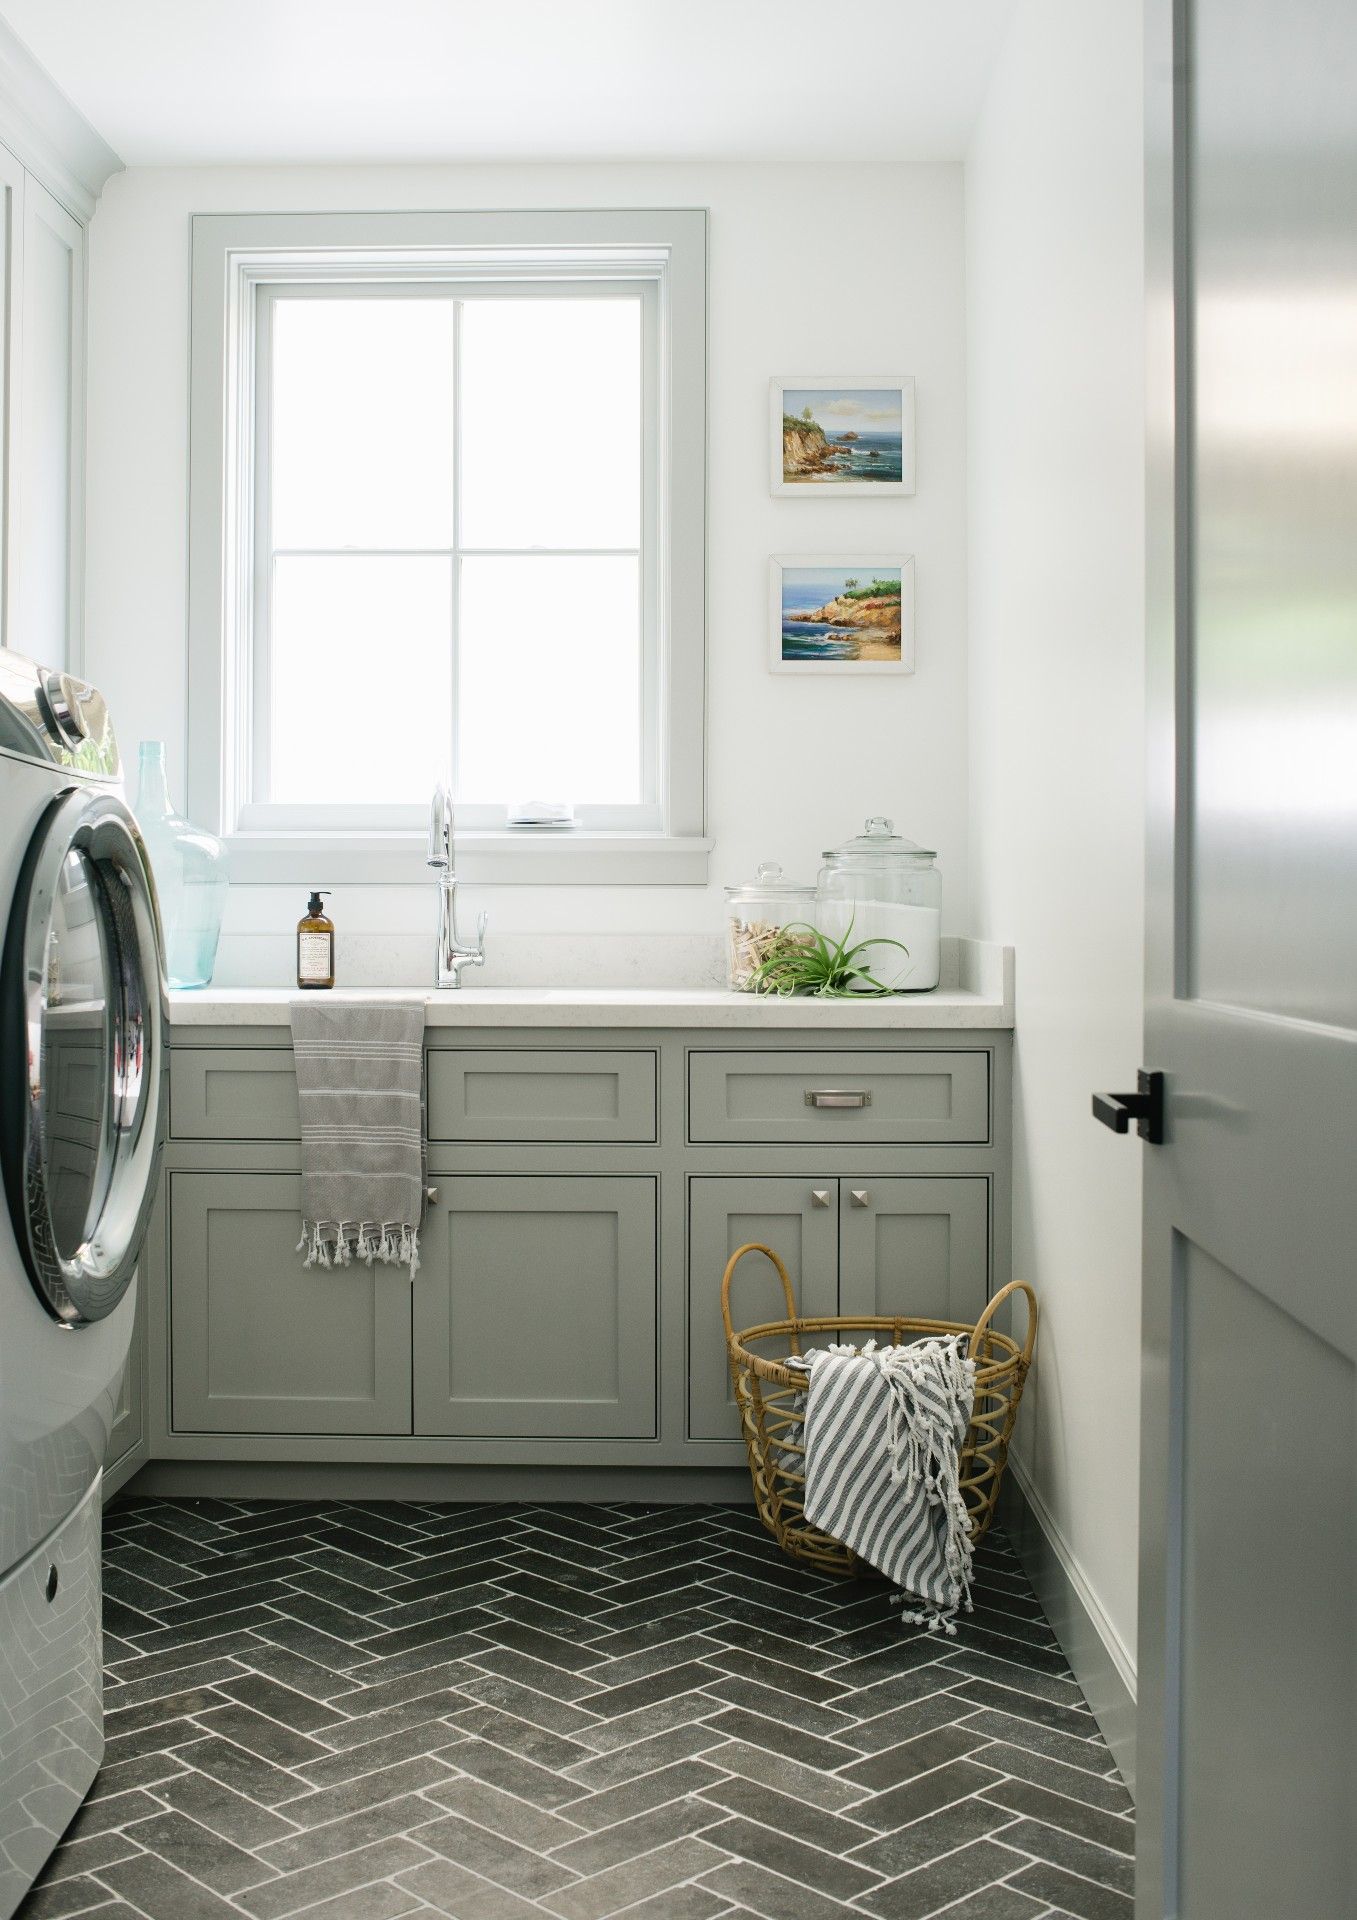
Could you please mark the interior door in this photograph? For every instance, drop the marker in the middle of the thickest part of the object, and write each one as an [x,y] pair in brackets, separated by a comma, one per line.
[1247,1709]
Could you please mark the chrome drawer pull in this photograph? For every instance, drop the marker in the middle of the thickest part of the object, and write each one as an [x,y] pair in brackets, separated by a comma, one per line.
[838,1097]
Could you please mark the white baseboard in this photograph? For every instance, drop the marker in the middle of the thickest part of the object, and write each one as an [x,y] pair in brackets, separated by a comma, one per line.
[1101,1661]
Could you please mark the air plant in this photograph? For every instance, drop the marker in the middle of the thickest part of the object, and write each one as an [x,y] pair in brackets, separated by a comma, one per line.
[815,964]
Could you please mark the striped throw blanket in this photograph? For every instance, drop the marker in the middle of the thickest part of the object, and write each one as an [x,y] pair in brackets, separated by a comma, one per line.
[883,1428]
[360,1081]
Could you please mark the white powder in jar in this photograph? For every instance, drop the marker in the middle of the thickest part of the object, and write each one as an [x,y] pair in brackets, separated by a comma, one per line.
[918,929]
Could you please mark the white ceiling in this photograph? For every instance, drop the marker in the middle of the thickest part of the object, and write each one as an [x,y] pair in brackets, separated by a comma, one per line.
[176,81]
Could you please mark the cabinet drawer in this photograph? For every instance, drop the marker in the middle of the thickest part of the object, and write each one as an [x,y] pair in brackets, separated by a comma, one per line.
[561,1095]
[852,1098]
[233,1093]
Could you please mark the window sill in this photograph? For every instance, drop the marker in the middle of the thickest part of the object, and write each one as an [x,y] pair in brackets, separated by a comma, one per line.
[510,857]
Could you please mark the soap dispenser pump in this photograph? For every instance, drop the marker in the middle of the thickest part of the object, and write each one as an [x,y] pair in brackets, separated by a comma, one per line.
[315,946]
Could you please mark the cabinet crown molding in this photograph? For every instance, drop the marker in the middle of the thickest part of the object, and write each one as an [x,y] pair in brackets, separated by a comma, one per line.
[48,133]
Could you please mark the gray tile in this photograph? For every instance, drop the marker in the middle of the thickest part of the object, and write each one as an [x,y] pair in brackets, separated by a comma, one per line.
[1072,1895]
[610,1846]
[161,1892]
[647,1790]
[937,1833]
[214,1804]
[506,1814]
[943,1881]
[494,1857]
[913,1757]
[756,1890]
[1076,1855]
[634,1880]
[832,1832]
[405,1814]
[294,1892]
[1058,1810]
[496,1711]
[219,1863]
[841,1879]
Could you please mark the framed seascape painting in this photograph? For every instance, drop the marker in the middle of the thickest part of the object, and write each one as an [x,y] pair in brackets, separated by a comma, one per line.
[837,615]
[852,435]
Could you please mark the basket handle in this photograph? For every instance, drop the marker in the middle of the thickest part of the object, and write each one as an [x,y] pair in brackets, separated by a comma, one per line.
[755,1246]
[982,1325]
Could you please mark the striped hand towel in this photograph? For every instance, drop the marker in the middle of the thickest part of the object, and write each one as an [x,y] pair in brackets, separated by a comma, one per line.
[360,1081]
[883,1430]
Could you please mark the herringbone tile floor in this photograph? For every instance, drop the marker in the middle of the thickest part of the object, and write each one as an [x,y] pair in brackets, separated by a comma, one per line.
[365,1710]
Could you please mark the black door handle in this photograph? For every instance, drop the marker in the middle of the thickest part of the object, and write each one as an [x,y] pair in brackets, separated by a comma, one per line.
[1145,1107]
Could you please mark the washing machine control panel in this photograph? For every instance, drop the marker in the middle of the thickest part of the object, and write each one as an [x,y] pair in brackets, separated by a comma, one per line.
[55,717]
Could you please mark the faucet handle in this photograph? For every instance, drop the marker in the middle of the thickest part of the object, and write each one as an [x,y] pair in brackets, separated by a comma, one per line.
[482,922]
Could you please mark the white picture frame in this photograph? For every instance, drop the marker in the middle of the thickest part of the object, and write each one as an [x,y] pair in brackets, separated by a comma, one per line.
[861,422]
[795,580]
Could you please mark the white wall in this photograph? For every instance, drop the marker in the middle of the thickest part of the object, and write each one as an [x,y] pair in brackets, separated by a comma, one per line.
[813,269]
[1056,440]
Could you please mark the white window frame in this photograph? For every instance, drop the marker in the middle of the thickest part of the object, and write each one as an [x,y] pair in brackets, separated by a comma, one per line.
[241,265]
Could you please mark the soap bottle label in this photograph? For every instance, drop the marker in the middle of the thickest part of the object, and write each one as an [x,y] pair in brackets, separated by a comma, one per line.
[313,956]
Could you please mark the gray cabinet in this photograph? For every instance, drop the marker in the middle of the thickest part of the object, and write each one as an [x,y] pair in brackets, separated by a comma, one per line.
[129,1409]
[535,1308]
[591,1185]
[544,1095]
[234,1093]
[912,1245]
[795,1216]
[262,1344]
[839,1099]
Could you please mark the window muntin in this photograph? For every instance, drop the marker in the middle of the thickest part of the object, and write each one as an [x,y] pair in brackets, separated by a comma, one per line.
[456,553]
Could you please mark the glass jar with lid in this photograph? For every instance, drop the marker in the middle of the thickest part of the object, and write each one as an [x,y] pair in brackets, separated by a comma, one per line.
[763,918]
[880,886]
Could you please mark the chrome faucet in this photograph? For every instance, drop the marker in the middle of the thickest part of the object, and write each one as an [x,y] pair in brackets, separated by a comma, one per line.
[451,955]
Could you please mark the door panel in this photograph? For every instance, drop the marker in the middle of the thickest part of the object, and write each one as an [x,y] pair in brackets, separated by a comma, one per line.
[914,1246]
[1247,1687]
[263,1344]
[726,1212]
[535,1308]
[1266,1391]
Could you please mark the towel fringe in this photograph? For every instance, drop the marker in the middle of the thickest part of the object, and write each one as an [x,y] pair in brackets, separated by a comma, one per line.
[336,1243]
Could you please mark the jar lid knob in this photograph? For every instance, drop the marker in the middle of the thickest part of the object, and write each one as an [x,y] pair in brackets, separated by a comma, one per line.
[879,824]
[768,872]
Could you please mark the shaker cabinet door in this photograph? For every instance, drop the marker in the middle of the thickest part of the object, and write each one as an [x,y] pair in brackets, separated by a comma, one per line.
[535,1308]
[261,1343]
[914,1245]
[798,1219]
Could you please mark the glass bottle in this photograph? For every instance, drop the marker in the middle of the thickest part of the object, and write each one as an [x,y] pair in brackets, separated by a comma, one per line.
[190,871]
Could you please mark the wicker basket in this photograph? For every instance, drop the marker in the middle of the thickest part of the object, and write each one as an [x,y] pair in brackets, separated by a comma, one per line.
[766,1393]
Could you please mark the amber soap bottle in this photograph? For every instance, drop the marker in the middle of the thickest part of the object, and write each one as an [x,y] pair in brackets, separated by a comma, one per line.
[315,946]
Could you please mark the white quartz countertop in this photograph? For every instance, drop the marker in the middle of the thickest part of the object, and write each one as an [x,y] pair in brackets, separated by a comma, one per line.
[980,996]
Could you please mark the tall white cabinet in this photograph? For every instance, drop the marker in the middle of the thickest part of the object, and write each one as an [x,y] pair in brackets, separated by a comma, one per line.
[44,427]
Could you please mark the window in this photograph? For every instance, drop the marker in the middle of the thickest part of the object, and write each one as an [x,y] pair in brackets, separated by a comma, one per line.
[452,527]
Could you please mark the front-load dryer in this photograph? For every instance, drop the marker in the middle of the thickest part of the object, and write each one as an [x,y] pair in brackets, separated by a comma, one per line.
[82,1023]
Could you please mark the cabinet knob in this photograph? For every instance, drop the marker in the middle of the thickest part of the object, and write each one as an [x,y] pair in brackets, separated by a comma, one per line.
[860,1196]
[431,1195]
[819,1196]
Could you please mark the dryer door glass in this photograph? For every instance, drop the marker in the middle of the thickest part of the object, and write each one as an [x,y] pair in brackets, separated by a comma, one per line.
[76,1076]
[82,1003]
